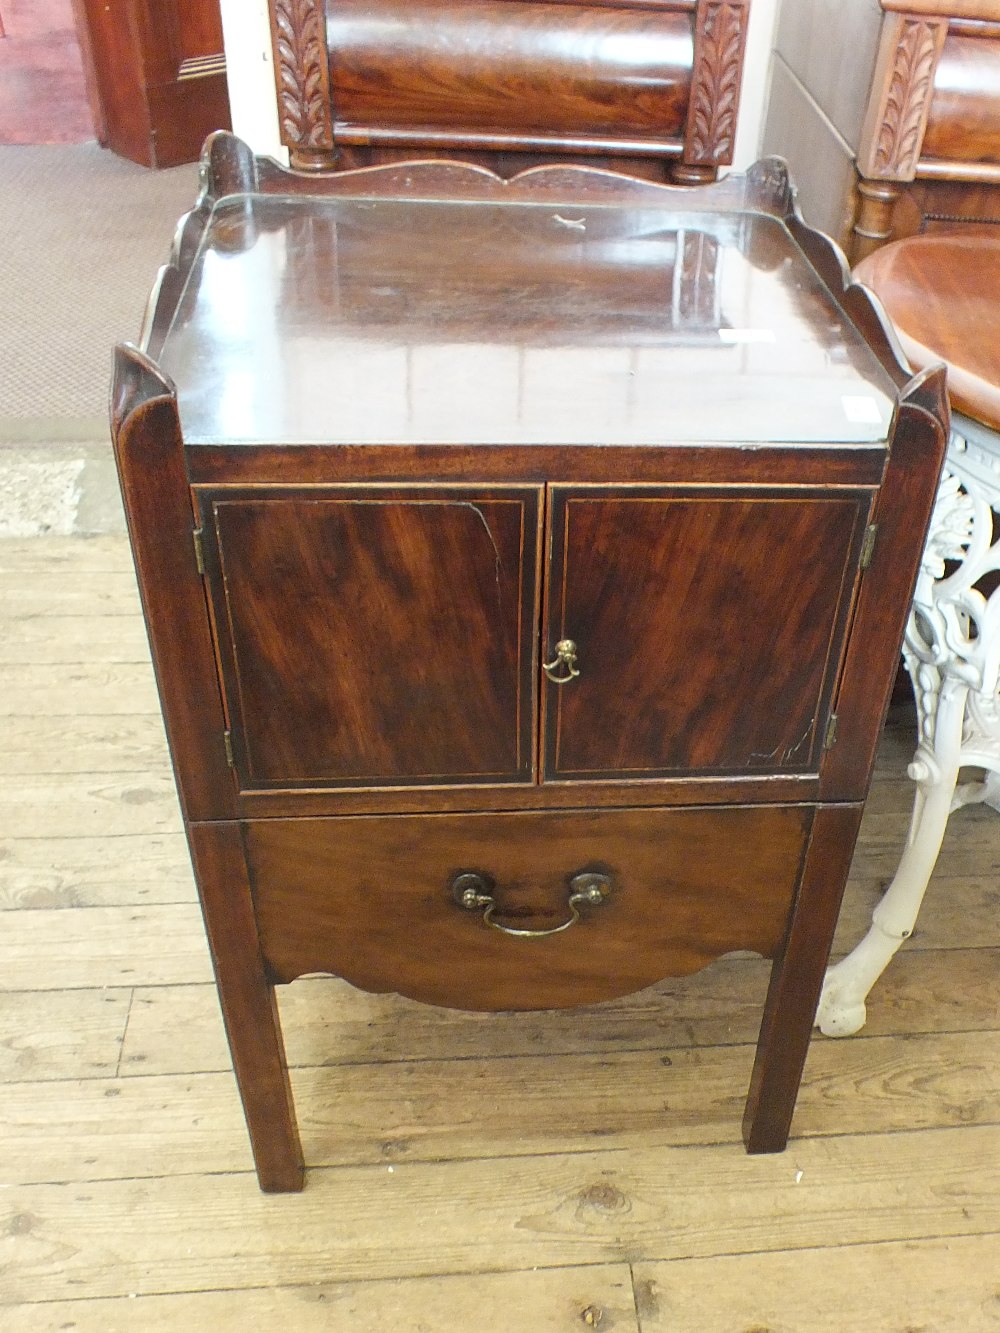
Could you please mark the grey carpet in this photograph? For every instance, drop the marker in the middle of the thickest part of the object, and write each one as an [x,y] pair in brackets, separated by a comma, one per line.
[83,234]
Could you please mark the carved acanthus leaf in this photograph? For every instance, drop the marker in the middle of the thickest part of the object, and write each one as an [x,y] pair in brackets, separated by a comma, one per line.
[900,134]
[302,74]
[715,87]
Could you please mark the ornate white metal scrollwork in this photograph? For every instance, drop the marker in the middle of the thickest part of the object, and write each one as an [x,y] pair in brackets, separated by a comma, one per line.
[952,653]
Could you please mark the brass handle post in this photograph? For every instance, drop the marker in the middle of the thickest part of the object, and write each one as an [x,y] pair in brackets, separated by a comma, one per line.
[564,659]
[472,891]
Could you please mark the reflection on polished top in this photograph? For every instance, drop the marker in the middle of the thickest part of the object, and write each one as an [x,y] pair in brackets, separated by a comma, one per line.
[351,320]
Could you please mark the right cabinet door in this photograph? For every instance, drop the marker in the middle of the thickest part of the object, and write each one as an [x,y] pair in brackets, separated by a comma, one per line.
[708,627]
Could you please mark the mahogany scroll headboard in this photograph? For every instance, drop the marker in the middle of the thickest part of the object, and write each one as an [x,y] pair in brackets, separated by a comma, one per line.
[651,85]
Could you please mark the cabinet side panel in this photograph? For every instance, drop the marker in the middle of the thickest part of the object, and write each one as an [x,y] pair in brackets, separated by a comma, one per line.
[902,512]
[157,501]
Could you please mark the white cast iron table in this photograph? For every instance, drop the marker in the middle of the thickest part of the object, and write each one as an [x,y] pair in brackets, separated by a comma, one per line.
[952,652]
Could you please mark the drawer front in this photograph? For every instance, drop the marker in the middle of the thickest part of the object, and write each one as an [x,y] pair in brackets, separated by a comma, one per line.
[377,901]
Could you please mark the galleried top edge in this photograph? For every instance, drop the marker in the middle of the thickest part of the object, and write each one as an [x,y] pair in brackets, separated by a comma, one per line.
[437,302]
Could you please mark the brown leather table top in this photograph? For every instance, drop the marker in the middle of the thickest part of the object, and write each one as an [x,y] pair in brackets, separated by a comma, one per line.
[942,293]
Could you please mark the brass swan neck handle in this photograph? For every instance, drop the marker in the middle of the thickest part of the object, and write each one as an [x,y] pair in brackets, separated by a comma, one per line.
[471,890]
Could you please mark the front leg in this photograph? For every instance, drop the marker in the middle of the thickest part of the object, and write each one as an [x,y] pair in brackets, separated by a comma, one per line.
[796,978]
[248,1005]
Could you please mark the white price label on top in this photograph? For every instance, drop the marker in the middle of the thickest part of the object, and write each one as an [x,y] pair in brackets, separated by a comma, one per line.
[746,335]
[861,409]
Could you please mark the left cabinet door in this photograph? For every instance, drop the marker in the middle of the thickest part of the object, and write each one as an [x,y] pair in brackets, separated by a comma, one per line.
[376,636]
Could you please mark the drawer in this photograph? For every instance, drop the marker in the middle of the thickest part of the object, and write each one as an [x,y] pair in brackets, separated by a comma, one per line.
[639,895]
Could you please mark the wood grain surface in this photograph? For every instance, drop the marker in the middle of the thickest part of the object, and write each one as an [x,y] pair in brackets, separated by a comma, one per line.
[509,84]
[940,290]
[155,103]
[559,1300]
[349,618]
[570,70]
[430,1110]
[962,125]
[370,899]
[200,1233]
[708,627]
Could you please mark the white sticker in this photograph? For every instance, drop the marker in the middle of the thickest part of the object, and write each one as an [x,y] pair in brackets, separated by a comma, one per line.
[746,335]
[860,408]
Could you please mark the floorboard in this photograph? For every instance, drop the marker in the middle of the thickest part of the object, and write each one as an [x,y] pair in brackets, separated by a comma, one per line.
[515,1171]
[557,1300]
[94,871]
[201,1232]
[928,1286]
[438,1110]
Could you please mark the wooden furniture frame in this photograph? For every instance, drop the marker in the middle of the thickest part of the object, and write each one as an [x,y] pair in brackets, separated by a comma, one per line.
[930,146]
[351,621]
[158,75]
[511,82]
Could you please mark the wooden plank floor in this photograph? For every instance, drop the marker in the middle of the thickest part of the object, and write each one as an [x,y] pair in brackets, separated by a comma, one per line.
[468,1171]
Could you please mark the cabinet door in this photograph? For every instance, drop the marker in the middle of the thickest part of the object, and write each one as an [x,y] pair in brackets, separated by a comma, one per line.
[372,636]
[708,627]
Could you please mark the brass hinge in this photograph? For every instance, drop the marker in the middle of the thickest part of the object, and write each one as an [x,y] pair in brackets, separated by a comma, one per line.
[199,550]
[830,739]
[227,740]
[868,545]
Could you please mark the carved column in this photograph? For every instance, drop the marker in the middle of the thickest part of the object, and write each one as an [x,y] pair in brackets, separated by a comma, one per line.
[893,131]
[720,37]
[302,78]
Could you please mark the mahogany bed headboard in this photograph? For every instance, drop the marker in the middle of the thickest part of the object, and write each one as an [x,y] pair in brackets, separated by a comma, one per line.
[652,85]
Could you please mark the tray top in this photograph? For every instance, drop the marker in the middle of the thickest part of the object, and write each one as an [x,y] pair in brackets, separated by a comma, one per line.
[351,320]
